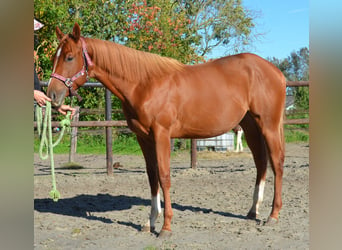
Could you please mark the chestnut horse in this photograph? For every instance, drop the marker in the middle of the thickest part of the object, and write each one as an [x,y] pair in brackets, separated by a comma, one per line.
[163,98]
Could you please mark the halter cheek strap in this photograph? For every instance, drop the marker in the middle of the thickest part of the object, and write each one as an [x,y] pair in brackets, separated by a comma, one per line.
[69,81]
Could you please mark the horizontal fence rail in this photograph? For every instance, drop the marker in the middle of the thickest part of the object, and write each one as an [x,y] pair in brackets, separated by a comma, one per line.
[296,121]
[91,124]
[297,83]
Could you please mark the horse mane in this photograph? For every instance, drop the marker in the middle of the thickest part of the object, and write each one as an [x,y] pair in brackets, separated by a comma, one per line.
[131,64]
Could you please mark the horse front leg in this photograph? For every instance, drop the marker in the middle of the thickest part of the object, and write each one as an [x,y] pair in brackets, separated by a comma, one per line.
[149,151]
[162,140]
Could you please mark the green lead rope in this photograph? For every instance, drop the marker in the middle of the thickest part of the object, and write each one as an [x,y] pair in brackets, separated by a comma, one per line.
[44,127]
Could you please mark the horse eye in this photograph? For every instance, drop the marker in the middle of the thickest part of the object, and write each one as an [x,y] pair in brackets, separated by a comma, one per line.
[69,58]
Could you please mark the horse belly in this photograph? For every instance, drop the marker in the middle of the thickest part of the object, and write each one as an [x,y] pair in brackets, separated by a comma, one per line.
[210,101]
[202,118]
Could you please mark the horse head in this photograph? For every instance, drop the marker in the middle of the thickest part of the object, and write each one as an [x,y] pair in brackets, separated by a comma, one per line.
[70,70]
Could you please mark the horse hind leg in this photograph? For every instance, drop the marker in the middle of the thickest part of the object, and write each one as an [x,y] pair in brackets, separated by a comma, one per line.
[276,147]
[257,145]
[272,130]
[148,150]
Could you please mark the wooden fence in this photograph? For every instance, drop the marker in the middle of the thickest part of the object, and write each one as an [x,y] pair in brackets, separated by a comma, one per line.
[108,124]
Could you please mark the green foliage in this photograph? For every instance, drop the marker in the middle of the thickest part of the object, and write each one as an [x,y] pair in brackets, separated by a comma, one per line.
[302,97]
[159,27]
[221,22]
[126,144]
[94,100]
[296,135]
[296,68]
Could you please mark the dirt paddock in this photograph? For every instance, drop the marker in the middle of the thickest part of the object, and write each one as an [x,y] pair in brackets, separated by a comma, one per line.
[209,204]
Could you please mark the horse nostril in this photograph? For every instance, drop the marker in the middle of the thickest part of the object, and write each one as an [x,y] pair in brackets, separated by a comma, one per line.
[53,97]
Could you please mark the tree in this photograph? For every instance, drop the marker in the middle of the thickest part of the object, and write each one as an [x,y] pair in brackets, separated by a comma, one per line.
[157,27]
[296,68]
[219,22]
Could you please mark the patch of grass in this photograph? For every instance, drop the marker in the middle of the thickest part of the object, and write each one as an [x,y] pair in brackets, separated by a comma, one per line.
[61,148]
[71,165]
[296,135]
[150,248]
[126,144]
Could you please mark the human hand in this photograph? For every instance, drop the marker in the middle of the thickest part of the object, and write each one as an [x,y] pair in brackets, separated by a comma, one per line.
[63,109]
[40,97]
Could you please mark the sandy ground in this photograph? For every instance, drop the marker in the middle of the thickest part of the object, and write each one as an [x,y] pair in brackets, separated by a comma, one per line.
[209,204]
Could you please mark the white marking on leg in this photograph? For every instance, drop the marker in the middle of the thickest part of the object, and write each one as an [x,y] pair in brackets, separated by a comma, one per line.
[155,210]
[258,197]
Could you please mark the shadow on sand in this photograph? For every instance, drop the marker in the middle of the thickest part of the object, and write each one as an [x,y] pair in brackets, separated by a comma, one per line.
[85,205]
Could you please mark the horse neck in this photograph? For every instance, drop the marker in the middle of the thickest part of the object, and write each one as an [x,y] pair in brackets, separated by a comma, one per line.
[123,69]
[114,81]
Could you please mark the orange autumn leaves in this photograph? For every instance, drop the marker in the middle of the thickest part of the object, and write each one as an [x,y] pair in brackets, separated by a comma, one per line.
[160,30]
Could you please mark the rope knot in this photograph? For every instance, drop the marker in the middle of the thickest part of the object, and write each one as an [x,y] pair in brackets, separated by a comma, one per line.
[65,122]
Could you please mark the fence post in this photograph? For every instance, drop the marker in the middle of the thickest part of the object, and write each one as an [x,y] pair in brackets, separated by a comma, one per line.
[193,153]
[109,143]
[73,139]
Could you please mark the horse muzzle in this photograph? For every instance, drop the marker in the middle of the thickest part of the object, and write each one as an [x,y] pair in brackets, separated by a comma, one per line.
[57,99]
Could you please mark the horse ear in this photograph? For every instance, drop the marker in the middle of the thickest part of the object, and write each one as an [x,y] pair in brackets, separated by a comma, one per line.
[76,33]
[59,33]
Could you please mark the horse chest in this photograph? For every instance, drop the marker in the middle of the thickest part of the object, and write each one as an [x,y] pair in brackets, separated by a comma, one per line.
[137,122]
[137,127]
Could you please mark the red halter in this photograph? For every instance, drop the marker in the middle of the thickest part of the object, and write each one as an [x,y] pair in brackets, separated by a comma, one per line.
[69,81]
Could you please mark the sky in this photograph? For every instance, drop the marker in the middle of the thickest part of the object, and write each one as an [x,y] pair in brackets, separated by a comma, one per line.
[284,25]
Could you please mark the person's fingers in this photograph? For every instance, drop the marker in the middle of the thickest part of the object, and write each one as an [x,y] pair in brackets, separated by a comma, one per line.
[61,111]
[41,102]
[72,113]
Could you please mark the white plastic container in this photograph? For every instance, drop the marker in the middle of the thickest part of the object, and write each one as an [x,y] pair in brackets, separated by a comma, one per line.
[224,142]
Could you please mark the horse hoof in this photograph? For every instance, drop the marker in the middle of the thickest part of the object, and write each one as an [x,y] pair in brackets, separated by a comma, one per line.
[147,229]
[271,221]
[165,234]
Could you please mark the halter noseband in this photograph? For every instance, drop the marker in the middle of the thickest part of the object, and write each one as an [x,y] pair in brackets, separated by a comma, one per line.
[69,81]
